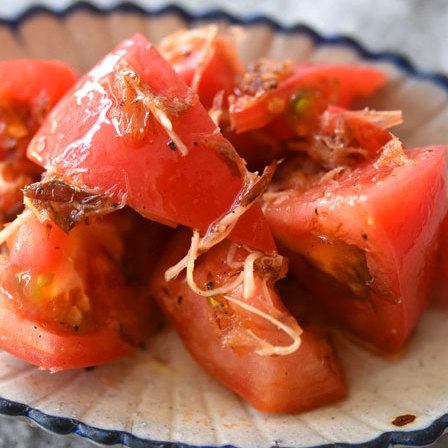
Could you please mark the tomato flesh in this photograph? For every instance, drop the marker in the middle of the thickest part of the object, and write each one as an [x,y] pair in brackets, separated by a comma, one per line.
[368,217]
[34,81]
[216,334]
[104,120]
[28,90]
[210,65]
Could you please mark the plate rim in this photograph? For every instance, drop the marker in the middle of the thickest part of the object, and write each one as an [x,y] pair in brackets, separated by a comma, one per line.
[66,425]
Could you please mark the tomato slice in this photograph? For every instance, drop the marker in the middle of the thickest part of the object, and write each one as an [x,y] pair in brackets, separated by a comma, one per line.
[205,60]
[112,135]
[28,90]
[67,301]
[277,91]
[362,242]
[220,334]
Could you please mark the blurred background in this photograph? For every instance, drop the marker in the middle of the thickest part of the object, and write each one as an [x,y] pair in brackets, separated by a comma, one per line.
[416,28]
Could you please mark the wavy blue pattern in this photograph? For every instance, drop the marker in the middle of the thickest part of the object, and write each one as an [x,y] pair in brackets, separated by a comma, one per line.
[64,425]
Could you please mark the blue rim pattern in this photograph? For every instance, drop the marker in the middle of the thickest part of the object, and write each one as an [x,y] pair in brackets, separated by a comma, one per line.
[65,425]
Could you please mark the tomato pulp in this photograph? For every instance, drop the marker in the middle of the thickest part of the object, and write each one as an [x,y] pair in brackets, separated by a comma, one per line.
[28,90]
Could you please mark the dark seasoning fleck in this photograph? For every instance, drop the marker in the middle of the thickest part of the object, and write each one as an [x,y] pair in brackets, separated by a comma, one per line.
[172,145]
[403,420]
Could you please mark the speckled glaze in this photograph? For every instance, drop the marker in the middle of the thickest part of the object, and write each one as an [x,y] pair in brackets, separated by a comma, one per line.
[160,397]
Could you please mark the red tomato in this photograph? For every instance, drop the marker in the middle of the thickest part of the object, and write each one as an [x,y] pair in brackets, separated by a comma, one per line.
[106,136]
[66,300]
[37,83]
[24,244]
[28,90]
[363,242]
[219,334]
[205,61]
[440,283]
[276,91]
[52,351]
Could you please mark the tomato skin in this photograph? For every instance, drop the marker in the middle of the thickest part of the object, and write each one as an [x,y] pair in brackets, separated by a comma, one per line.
[375,210]
[220,66]
[307,378]
[30,81]
[336,84]
[33,238]
[38,346]
[146,171]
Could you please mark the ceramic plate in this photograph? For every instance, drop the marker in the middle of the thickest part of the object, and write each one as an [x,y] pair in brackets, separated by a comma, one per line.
[160,397]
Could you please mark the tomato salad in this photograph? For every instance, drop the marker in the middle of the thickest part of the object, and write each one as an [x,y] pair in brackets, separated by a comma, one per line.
[178,181]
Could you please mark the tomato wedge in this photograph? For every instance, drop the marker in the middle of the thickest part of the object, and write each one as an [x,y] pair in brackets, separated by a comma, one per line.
[66,300]
[226,338]
[205,60]
[134,130]
[28,90]
[362,242]
[296,94]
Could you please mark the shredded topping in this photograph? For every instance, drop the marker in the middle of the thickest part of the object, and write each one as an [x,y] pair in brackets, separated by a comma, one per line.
[262,76]
[392,154]
[248,274]
[179,44]
[385,119]
[193,255]
[65,205]
[217,108]
[332,174]
[206,52]
[138,101]
[267,349]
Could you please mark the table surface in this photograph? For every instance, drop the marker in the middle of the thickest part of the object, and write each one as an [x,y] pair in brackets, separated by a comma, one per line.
[409,26]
